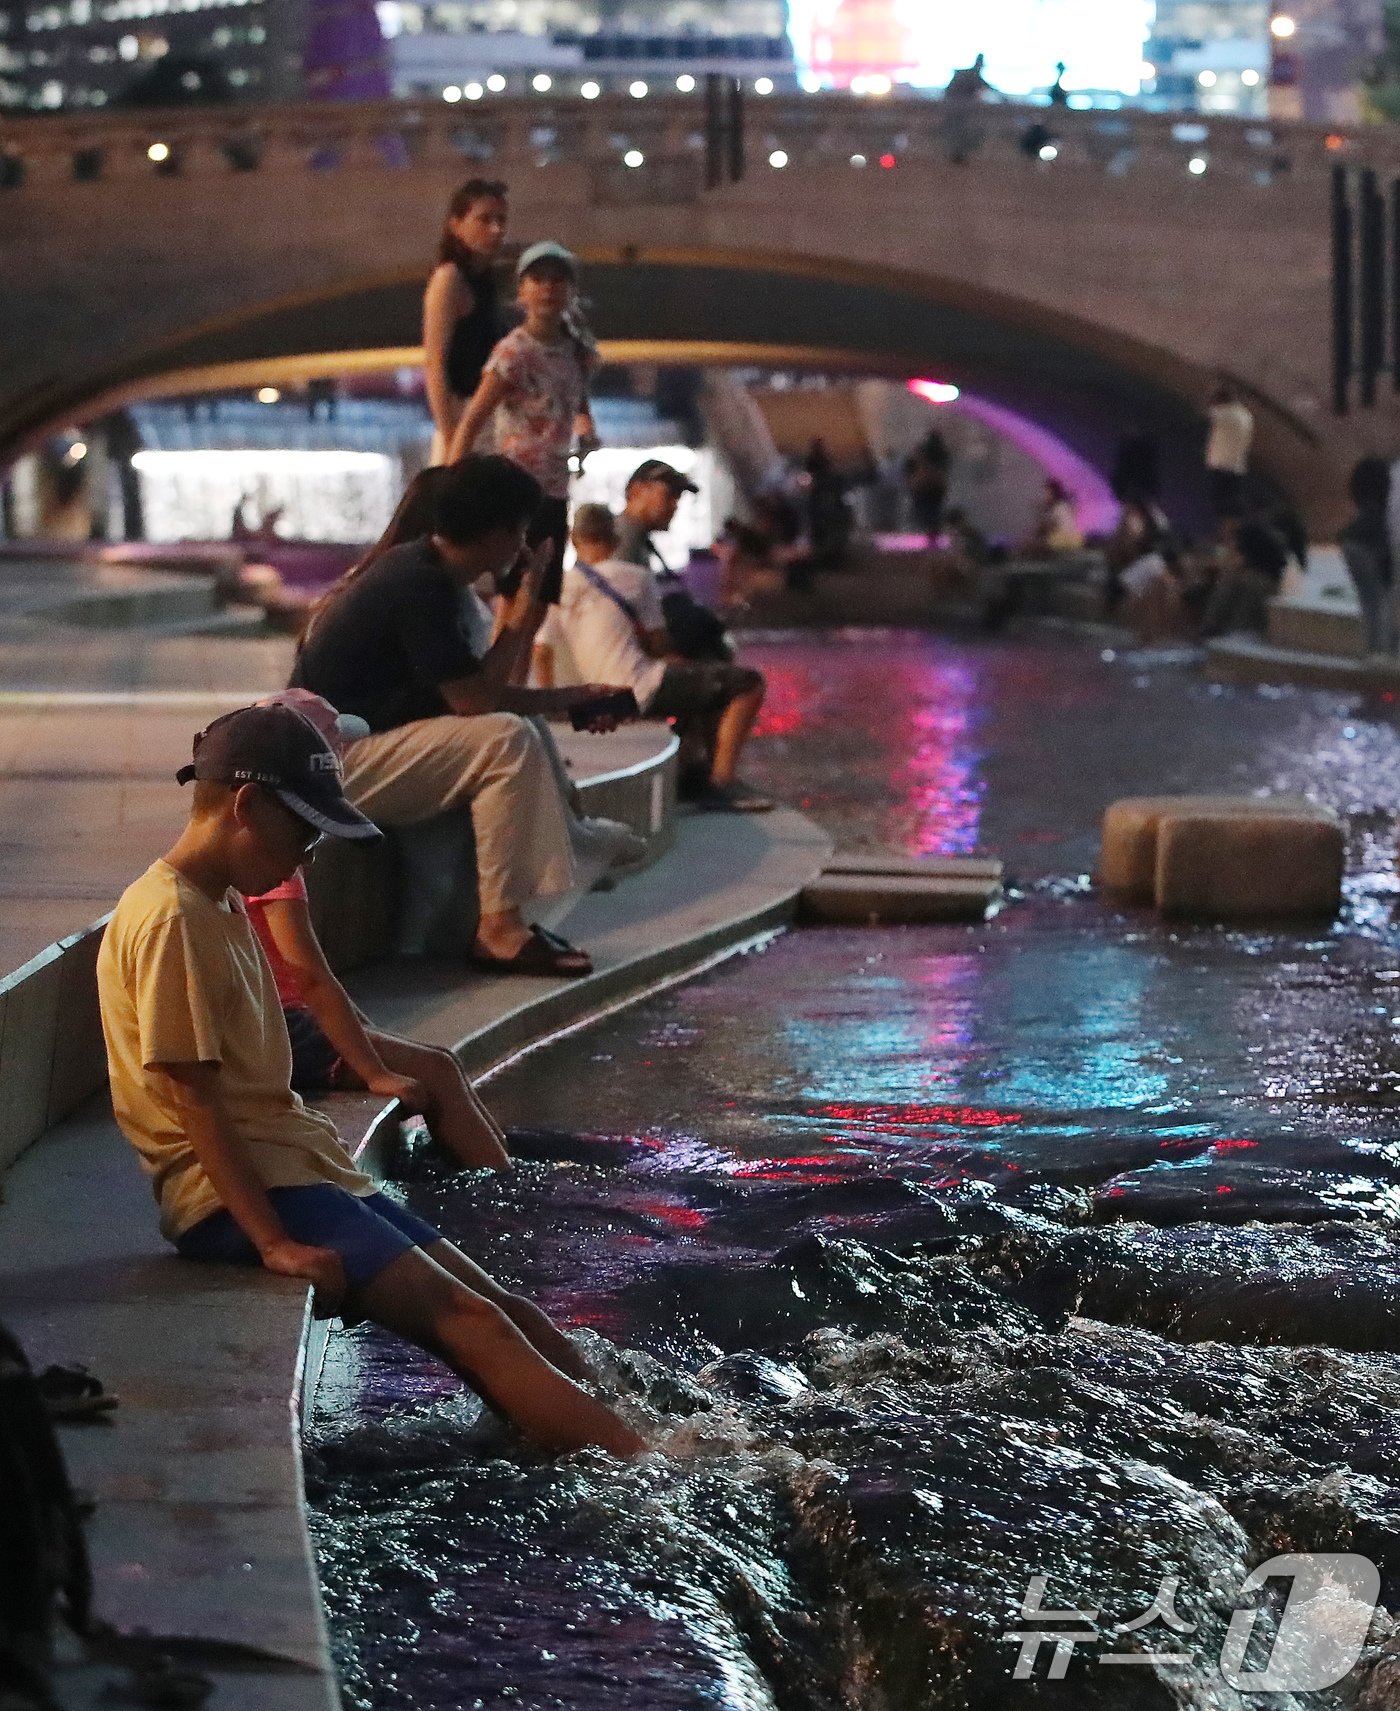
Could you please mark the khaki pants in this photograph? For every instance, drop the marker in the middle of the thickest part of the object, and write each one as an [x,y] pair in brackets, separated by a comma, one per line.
[493,762]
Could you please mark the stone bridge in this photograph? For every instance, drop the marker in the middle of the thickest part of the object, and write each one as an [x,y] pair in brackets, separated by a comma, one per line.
[1096,290]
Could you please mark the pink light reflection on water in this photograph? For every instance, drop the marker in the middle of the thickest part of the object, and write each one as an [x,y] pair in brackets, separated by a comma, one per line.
[935,762]
[927,702]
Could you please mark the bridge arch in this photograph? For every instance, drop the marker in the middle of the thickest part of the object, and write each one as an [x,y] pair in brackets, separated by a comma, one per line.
[712,306]
[1103,291]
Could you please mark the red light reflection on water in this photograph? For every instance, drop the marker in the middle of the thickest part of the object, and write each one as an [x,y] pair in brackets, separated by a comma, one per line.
[672,1212]
[1231,1146]
[890,1119]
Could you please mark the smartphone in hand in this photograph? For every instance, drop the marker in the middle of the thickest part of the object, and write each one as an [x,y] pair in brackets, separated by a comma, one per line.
[622,705]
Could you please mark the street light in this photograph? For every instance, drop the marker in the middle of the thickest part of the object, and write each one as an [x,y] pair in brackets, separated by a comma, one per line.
[1197,165]
[633,158]
[778,158]
[685,83]
[158,152]
[763,86]
[495,83]
[590,91]
[1207,79]
[473,92]
[1282,26]
[542,83]
[1250,78]
[452,93]
[637,90]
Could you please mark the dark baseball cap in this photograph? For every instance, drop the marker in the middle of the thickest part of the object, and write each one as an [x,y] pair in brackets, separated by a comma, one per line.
[656,469]
[279,749]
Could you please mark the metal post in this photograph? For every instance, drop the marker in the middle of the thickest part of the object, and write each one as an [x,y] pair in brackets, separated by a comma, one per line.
[1372,285]
[714,130]
[1395,281]
[735,130]
[1343,293]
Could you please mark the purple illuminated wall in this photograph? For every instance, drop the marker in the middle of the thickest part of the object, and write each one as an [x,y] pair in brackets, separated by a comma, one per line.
[345,58]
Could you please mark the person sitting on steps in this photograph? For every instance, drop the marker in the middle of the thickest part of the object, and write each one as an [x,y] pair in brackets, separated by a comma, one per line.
[244,1173]
[610,619]
[334,1046]
[449,728]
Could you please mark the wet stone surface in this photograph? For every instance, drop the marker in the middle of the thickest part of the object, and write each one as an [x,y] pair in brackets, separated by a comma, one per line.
[935,1259]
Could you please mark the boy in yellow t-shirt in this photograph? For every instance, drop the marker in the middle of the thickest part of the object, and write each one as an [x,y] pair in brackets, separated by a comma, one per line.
[201,1085]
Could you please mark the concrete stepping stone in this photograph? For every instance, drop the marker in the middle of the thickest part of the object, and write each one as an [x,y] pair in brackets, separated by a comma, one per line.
[1131,827]
[917,867]
[1243,867]
[898,899]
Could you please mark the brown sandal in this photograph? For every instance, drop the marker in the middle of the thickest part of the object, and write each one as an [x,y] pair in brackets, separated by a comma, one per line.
[542,953]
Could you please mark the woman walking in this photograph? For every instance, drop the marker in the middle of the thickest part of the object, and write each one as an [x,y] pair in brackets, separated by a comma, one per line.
[462,314]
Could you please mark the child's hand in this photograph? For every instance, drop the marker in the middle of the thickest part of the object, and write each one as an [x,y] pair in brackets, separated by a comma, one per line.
[411,1094]
[321,1267]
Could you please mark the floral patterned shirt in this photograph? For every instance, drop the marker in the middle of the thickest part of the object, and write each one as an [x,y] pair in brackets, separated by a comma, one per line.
[545,388]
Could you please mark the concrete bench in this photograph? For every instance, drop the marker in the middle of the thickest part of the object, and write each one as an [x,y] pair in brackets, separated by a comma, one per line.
[1223,857]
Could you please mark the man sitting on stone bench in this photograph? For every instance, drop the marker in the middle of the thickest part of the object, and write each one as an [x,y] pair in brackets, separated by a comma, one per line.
[244,1173]
[609,616]
[448,725]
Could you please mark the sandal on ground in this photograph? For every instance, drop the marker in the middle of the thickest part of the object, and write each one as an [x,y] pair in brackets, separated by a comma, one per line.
[733,798]
[72,1396]
[542,953]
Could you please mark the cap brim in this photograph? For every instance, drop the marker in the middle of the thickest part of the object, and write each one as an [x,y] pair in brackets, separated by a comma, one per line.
[335,817]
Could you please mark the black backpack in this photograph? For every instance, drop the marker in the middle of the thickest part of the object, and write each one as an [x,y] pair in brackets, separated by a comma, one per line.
[44,1570]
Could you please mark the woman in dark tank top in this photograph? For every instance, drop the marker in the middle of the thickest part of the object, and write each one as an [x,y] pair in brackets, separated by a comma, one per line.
[462,315]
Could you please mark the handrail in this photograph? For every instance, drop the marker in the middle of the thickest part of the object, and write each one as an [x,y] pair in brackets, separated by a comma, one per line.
[825,129]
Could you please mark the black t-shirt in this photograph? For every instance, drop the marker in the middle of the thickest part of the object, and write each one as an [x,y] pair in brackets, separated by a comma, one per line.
[385,644]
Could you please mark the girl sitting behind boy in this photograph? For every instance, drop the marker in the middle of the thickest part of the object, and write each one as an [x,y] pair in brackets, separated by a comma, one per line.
[333,1047]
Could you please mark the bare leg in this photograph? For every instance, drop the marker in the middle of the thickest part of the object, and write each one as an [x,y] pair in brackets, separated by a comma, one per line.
[735,723]
[424,1303]
[458,1119]
[533,1323]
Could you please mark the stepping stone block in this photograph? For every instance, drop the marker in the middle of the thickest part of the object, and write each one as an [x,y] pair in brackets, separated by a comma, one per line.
[1128,856]
[1242,867]
[859,899]
[917,867]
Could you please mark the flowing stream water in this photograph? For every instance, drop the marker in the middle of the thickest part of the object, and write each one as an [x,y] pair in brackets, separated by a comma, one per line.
[935,1259]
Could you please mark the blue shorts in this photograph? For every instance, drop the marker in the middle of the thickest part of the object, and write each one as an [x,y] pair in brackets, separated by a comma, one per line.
[368,1233]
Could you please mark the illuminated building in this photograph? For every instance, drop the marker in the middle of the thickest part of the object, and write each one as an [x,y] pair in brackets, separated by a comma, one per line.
[1100,41]
[451,44]
[95,53]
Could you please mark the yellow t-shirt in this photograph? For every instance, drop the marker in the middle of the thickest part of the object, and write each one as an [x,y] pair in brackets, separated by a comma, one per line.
[183,979]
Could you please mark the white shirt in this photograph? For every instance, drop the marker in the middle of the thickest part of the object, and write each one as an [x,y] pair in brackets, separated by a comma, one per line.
[1231,435]
[600,635]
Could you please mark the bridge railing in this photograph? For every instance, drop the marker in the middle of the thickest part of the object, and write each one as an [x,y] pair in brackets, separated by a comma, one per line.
[654,149]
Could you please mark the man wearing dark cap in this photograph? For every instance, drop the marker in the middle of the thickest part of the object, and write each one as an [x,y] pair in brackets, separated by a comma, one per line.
[201,1069]
[654,490]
